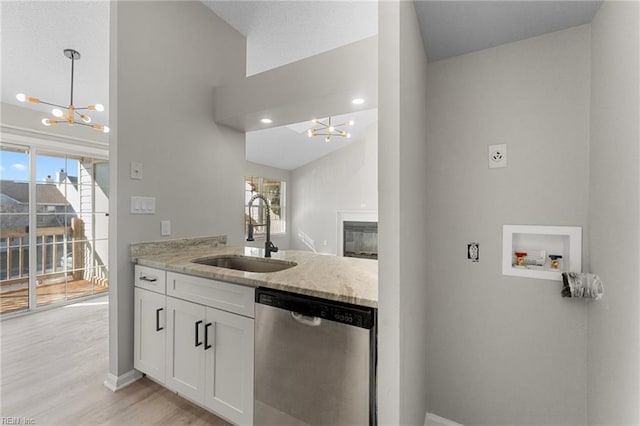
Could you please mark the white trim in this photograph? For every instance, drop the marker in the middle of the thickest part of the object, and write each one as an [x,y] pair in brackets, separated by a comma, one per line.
[48,141]
[115,383]
[343,216]
[431,419]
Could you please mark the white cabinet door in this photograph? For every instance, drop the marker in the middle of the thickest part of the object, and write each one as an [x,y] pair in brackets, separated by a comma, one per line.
[149,333]
[185,348]
[229,366]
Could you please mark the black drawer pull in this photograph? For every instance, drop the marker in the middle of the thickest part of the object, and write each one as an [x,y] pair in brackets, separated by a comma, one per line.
[158,328]
[145,278]
[197,332]
[206,336]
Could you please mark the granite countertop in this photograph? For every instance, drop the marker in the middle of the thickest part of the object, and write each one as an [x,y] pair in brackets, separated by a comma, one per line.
[329,277]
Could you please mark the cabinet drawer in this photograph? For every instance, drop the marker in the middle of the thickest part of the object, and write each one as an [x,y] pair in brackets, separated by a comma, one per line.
[216,294]
[150,279]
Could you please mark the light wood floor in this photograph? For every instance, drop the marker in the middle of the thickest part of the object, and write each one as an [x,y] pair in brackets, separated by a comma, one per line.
[53,365]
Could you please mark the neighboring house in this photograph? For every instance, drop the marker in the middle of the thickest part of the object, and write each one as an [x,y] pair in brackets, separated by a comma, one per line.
[52,207]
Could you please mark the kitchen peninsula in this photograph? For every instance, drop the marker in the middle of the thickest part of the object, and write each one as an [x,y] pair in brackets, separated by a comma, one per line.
[343,279]
[226,328]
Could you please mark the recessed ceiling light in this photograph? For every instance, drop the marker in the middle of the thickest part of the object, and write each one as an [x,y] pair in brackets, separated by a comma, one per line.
[266,121]
[357,101]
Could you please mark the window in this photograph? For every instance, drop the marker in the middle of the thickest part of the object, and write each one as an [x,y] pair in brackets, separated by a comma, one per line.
[274,191]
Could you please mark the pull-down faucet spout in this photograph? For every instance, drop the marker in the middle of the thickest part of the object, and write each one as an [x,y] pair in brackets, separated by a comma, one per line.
[269,247]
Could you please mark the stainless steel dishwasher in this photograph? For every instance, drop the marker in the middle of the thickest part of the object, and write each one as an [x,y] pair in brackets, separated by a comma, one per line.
[315,361]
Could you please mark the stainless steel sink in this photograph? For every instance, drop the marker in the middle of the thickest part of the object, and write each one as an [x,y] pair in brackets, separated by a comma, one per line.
[246,263]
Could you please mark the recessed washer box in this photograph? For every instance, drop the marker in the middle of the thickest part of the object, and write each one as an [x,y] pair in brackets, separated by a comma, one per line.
[542,252]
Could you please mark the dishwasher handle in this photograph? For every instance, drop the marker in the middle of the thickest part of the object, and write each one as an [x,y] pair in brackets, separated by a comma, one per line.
[306,320]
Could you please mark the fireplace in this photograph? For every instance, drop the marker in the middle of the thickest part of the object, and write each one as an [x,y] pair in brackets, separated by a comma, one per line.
[360,239]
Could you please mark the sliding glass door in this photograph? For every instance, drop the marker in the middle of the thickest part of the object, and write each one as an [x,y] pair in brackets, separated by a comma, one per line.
[66,207]
[15,172]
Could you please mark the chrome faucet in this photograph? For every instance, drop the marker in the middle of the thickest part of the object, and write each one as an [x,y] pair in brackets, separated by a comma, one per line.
[269,247]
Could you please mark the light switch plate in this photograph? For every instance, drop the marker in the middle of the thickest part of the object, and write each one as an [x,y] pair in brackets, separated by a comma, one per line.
[136,170]
[143,205]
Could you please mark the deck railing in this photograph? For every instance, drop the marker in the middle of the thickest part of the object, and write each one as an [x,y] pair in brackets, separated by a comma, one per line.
[51,263]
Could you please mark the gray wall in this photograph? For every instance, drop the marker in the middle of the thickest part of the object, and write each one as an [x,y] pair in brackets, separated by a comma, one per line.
[505,350]
[166,58]
[346,179]
[401,182]
[614,325]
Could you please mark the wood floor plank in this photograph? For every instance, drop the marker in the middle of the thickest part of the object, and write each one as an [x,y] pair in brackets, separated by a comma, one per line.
[18,300]
[53,365]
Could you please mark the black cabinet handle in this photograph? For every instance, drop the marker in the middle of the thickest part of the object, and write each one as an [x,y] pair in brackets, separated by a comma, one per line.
[158,328]
[197,330]
[145,278]
[206,336]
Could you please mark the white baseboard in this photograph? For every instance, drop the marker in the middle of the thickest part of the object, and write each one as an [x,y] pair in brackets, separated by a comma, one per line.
[115,383]
[431,419]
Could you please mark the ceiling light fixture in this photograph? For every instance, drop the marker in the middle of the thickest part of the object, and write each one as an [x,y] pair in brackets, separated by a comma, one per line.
[68,114]
[357,101]
[266,121]
[328,129]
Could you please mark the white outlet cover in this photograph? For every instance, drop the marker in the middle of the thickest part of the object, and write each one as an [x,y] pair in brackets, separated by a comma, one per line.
[165,228]
[497,156]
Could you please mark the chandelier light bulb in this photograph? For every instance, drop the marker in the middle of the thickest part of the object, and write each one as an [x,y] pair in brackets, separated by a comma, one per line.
[327,139]
[99,107]
[106,129]
[21,97]
[46,122]
[56,112]
[351,122]
[331,128]
[309,133]
[85,118]
[348,135]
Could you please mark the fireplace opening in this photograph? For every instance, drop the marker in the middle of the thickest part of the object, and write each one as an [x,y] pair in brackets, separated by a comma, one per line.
[360,239]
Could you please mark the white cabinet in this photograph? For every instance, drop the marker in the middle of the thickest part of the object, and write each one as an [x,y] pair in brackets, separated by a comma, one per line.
[229,366]
[149,333]
[185,348]
[207,351]
[210,358]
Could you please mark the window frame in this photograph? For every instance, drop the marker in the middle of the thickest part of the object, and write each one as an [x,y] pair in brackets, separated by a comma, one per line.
[260,231]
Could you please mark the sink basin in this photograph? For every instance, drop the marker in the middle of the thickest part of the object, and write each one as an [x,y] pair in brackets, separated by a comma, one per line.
[246,263]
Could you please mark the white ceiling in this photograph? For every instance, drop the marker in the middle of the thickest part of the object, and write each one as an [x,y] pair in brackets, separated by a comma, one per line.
[452,28]
[289,147]
[281,32]
[33,35]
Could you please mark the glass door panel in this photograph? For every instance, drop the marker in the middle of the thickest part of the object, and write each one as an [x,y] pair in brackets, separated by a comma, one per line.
[68,195]
[14,228]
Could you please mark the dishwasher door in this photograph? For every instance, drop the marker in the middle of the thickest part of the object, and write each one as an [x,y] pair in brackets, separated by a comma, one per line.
[312,371]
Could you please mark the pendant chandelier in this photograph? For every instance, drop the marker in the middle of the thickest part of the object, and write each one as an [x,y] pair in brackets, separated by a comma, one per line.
[328,130]
[70,114]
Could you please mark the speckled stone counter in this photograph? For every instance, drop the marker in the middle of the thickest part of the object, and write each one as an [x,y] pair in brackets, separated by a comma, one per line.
[330,277]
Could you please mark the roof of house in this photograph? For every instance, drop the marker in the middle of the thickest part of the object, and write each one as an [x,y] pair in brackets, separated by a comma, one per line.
[46,193]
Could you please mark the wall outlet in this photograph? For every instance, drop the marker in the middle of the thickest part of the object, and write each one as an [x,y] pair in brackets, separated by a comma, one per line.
[473,252]
[497,156]
[165,228]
